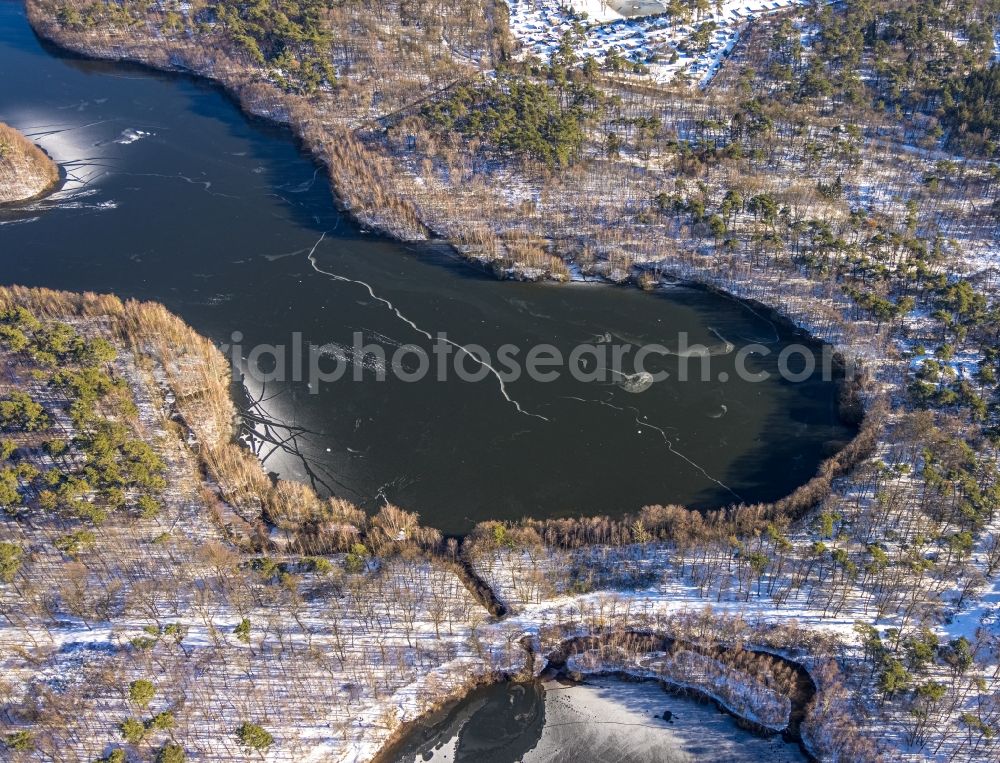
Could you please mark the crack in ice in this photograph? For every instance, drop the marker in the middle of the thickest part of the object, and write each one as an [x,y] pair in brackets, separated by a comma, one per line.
[729,345]
[605,403]
[206,184]
[503,386]
[670,447]
[669,443]
[259,430]
[745,306]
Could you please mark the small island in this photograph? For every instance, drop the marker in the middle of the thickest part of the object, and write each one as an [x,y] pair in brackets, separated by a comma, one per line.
[25,170]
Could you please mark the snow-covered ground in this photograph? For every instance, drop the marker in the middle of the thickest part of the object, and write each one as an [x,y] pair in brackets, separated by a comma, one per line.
[656,41]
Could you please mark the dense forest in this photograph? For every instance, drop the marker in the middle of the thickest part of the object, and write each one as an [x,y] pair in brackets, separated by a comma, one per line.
[519,117]
[913,57]
[972,109]
[104,468]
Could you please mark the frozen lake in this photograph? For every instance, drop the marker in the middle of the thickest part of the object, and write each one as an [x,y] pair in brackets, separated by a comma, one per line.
[604,719]
[175,196]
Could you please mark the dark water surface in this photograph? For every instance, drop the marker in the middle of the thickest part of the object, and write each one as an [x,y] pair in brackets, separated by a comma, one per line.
[173,195]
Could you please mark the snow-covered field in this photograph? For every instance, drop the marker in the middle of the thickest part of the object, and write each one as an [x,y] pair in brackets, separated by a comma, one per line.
[639,32]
